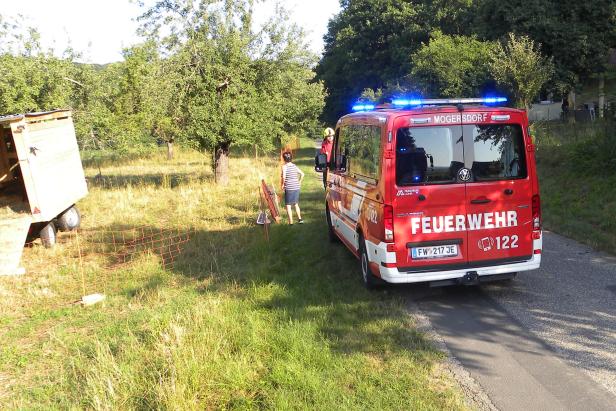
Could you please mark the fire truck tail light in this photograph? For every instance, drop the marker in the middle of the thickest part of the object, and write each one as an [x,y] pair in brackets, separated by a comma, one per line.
[391,248]
[536,208]
[388,222]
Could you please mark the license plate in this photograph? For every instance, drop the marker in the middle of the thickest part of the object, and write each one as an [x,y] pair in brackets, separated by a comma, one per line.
[436,251]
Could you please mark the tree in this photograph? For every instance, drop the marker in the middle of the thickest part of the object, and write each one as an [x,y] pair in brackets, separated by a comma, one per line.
[452,66]
[368,45]
[148,90]
[577,34]
[369,42]
[452,17]
[519,65]
[234,87]
[31,79]
[207,80]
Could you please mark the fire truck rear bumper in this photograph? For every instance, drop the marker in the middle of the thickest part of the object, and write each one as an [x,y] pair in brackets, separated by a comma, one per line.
[393,275]
[460,275]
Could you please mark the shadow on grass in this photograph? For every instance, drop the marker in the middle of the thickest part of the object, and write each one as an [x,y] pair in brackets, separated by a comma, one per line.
[318,282]
[94,159]
[315,282]
[171,180]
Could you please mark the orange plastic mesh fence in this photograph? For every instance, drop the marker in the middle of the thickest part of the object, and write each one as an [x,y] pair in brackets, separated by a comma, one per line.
[121,247]
[101,261]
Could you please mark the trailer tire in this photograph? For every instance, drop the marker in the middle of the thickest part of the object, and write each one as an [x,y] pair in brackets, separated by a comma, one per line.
[48,235]
[370,281]
[333,238]
[69,220]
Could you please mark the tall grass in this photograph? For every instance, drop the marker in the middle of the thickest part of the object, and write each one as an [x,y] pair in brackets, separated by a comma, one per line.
[236,323]
[577,169]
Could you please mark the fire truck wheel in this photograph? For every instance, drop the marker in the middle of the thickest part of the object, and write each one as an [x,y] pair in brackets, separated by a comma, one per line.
[370,281]
[69,220]
[48,235]
[333,238]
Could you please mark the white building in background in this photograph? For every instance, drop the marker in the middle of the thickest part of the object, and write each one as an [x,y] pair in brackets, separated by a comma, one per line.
[545,111]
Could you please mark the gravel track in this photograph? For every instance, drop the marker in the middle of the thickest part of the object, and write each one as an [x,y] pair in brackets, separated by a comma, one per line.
[546,339]
[570,303]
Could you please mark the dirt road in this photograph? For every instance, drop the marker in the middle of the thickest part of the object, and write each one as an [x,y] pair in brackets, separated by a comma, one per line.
[545,341]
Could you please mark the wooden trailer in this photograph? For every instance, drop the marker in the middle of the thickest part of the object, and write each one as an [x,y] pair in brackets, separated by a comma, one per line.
[41,179]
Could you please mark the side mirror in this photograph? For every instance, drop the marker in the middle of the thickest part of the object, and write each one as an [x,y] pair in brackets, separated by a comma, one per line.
[320,162]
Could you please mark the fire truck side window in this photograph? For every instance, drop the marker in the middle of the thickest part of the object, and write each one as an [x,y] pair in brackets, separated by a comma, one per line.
[428,155]
[361,146]
[498,152]
[341,149]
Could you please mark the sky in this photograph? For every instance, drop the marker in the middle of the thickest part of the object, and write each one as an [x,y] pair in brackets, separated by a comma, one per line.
[101,28]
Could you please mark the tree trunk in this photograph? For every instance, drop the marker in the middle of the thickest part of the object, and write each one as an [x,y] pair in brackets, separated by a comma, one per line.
[93,139]
[571,98]
[601,94]
[221,163]
[170,150]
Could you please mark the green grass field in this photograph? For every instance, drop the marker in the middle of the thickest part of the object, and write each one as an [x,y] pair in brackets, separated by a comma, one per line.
[576,165]
[236,323]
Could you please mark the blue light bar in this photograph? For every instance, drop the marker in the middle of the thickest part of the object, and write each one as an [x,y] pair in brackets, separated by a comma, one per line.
[492,100]
[363,107]
[407,102]
[443,101]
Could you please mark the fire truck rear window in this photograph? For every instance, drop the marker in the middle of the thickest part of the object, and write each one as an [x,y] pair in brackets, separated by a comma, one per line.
[498,151]
[428,155]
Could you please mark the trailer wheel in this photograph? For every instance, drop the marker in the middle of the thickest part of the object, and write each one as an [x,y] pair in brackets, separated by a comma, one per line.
[370,281]
[69,220]
[333,238]
[48,235]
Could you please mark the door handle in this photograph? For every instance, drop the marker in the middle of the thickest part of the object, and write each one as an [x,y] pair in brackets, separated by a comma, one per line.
[508,191]
[480,200]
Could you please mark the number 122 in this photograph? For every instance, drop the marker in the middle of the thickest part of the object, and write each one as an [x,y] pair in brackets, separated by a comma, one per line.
[505,242]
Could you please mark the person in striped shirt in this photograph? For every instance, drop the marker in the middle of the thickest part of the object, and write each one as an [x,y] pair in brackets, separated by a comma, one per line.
[291,181]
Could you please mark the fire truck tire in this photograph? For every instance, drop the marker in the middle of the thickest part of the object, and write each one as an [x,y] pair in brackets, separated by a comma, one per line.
[69,220]
[48,235]
[333,238]
[370,281]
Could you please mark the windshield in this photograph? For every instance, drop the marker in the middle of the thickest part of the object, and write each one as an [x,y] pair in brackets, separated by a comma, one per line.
[434,155]
[428,155]
[498,151]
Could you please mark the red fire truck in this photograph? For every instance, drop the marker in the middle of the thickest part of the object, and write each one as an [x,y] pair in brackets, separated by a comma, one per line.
[440,191]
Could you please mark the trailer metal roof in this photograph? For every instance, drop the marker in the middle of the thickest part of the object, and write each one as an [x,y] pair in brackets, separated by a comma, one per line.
[36,115]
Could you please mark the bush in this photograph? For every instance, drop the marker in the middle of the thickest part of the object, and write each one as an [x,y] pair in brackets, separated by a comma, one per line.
[587,147]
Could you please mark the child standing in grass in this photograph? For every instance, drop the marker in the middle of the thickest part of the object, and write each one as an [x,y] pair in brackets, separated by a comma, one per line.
[291,181]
